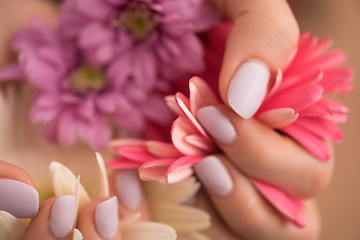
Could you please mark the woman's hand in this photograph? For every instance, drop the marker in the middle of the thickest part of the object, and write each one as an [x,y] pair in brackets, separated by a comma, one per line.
[255,151]
[57,217]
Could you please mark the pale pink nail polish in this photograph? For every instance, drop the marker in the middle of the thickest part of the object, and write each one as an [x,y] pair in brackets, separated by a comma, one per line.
[247,89]
[216,124]
[128,189]
[214,176]
[107,218]
[63,215]
[19,199]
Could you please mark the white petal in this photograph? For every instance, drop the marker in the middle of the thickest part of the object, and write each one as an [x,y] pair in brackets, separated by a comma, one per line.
[103,181]
[182,218]
[148,231]
[10,227]
[64,183]
[77,235]
[171,193]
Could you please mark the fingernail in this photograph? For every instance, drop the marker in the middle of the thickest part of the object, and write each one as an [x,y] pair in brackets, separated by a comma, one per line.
[214,176]
[128,189]
[19,199]
[247,88]
[216,124]
[63,215]
[107,218]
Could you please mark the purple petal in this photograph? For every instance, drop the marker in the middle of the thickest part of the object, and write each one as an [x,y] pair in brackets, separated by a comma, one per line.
[95,34]
[97,9]
[156,110]
[96,133]
[67,128]
[40,72]
[11,73]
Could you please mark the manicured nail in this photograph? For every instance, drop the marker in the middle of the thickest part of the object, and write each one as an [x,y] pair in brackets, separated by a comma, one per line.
[247,88]
[214,176]
[63,215]
[128,189]
[107,218]
[216,124]
[19,199]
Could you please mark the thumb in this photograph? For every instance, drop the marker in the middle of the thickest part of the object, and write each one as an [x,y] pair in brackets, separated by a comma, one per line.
[264,35]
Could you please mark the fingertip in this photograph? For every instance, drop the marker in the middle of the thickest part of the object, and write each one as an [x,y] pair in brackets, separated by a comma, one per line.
[126,185]
[99,219]
[55,219]
[264,32]
[18,194]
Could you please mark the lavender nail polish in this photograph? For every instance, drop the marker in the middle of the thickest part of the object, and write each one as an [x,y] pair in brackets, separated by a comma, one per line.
[216,124]
[247,88]
[128,189]
[19,199]
[63,215]
[107,218]
[214,176]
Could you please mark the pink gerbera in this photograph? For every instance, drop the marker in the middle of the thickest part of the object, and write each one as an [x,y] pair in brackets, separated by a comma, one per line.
[147,39]
[296,105]
[173,162]
[190,144]
[74,100]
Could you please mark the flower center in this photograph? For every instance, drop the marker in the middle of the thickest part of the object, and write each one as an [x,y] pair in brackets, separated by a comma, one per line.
[138,19]
[86,79]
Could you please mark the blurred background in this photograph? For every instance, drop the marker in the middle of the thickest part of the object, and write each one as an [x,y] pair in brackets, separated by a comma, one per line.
[340,203]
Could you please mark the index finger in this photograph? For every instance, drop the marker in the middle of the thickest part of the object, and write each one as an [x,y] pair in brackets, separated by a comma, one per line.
[18,194]
[264,35]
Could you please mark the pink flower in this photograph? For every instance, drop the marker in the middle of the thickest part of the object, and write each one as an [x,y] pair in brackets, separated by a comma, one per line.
[74,100]
[173,162]
[296,103]
[147,39]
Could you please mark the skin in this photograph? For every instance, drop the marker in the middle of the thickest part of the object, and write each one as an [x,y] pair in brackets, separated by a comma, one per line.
[268,31]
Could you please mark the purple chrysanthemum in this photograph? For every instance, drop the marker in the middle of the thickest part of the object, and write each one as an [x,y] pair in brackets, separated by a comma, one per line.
[147,39]
[74,100]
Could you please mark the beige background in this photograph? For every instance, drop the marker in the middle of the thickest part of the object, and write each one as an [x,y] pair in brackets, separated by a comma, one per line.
[340,203]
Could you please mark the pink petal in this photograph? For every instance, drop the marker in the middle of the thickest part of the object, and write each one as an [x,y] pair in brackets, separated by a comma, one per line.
[298,97]
[278,117]
[288,207]
[136,153]
[184,104]
[338,80]
[122,163]
[181,169]
[321,127]
[162,149]
[182,127]
[201,94]
[313,143]
[276,84]
[201,143]
[154,170]
[171,103]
